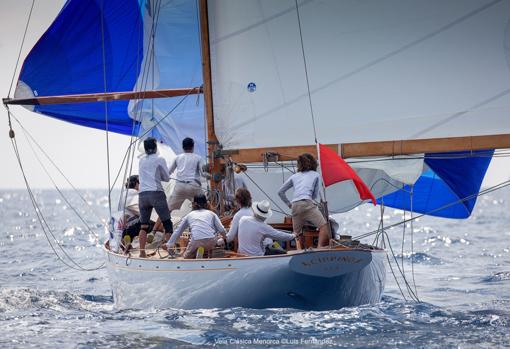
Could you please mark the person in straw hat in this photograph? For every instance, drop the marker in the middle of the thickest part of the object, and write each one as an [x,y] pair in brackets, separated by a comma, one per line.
[253,230]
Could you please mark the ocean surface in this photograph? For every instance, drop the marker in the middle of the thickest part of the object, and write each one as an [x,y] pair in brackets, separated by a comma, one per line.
[461,273]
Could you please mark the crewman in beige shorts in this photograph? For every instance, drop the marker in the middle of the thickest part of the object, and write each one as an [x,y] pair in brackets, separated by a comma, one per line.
[188,171]
[306,190]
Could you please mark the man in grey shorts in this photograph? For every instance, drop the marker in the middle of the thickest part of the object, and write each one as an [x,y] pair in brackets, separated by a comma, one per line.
[153,170]
[188,170]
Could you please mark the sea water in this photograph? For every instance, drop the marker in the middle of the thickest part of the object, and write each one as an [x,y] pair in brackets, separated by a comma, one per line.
[461,277]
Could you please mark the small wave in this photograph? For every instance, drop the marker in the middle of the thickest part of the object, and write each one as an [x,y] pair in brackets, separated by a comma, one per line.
[97,298]
[421,257]
[18,299]
[501,276]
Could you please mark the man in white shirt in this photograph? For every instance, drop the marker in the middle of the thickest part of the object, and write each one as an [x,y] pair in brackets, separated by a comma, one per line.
[153,170]
[253,230]
[203,224]
[188,170]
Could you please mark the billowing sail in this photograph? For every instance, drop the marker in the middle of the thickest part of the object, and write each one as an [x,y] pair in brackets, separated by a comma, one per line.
[382,176]
[448,188]
[378,70]
[102,46]
[174,63]
[68,59]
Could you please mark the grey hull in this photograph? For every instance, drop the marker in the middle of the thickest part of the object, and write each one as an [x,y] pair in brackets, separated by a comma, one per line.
[314,280]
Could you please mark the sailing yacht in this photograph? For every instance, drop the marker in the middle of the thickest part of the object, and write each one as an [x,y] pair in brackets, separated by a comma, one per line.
[395,87]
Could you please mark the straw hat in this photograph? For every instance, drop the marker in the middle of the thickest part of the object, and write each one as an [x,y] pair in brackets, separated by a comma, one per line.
[262,209]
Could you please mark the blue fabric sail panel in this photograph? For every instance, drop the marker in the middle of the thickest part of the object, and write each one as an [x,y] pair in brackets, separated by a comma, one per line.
[68,59]
[174,62]
[451,177]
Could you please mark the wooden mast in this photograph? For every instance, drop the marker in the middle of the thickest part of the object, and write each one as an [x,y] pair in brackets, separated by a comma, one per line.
[212,141]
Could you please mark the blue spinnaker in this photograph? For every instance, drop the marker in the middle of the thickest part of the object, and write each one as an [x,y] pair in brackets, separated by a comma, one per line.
[448,188]
[148,45]
[68,59]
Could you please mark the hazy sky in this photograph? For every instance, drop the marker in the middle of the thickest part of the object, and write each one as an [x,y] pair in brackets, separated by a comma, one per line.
[79,151]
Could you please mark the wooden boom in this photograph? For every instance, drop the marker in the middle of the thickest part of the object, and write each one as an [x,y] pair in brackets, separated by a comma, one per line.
[101,97]
[384,148]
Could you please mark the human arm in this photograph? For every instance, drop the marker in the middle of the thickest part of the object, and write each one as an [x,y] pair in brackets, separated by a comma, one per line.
[164,176]
[132,202]
[173,166]
[315,192]
[234,228]
[178,232]
[218,226]
[269,231]
[202,169]
[283,189]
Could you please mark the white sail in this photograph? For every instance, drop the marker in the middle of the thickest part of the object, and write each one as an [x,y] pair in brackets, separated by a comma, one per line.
[380,175]
[378,70]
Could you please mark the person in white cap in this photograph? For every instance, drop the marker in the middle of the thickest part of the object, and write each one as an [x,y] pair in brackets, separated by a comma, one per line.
[253,230]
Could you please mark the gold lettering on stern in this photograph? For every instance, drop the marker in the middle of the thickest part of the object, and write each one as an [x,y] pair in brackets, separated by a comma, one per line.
[331,259]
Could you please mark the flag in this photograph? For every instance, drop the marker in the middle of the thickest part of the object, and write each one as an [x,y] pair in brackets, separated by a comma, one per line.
[335,169]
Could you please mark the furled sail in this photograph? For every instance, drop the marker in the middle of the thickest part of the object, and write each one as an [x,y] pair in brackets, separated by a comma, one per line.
[378,70]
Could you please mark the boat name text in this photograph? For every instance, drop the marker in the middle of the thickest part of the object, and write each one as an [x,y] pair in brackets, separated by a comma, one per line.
[329,259]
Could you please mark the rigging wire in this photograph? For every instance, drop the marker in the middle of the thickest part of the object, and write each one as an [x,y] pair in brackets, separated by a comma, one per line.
[412,239]
[131,150]
[280,210]
[469,197]
[40,217]
[409,289]
[60,191]
[41,149]
[381,234]
[21,48]
[70,262]
[306,73]
[132,143]
[106,111]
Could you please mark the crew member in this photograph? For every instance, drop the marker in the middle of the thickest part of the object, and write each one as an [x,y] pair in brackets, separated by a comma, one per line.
[204,226]
[153,170]
[253,230]
[188,170]
[306,190]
